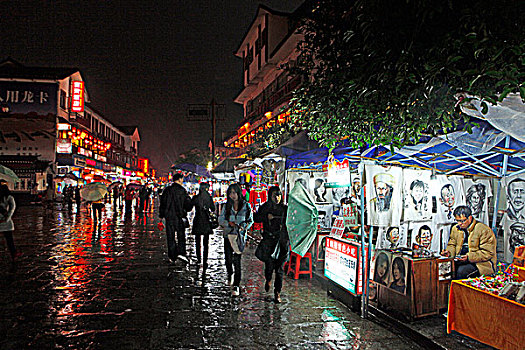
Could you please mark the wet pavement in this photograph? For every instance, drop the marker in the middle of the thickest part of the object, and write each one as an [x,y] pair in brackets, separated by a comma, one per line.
[82,287]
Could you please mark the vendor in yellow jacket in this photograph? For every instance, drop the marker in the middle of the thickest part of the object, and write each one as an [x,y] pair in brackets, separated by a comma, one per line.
[472,244]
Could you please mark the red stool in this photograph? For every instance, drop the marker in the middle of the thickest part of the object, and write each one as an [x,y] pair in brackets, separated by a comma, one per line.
[294,265]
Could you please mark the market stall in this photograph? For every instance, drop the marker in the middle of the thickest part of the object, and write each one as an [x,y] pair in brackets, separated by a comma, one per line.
[458,168]
[482,313]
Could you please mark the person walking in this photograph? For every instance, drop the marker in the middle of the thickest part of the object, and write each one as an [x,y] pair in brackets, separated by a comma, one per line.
[128,198]
[68,197]
[236,218]
[48,198]
[96,208]
[203,203]
[272,214]
[174,206]
[78,199]
[7,209]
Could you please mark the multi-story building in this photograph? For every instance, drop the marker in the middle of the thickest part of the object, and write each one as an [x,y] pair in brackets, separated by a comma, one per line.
[269,44]
[49,129]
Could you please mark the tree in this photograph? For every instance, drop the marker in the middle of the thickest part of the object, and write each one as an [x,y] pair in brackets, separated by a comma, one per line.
[386,72]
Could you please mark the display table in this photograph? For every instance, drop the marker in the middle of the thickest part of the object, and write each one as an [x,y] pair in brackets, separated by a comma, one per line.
[486,317]
[427,289]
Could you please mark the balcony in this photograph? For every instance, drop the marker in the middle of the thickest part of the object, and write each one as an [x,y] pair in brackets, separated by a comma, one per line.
[274,100]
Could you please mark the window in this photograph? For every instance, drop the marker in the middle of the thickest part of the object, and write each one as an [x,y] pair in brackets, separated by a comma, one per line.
[63,99]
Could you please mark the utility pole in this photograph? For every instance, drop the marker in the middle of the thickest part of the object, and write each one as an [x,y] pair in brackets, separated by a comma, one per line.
[213,119]
[211,112]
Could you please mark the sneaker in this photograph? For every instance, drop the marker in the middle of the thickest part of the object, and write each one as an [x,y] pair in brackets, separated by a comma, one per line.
[183,258]
[235,291]
[267,286]
[277,298]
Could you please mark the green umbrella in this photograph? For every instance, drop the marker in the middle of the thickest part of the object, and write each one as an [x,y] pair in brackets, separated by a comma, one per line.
[8,174]
[301,220]
[93,191]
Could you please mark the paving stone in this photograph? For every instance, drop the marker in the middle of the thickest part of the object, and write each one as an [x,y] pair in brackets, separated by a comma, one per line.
[81,287]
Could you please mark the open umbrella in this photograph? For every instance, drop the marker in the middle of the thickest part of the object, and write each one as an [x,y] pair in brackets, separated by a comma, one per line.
[301,220]
[98,178]
[134,186]
[113,184]
[93,191]
[8,174]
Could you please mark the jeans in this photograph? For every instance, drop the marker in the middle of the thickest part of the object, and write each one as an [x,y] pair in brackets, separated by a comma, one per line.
[205,243]
[97,211]
[466,270]
[278,266]
[233,262]
[175,248]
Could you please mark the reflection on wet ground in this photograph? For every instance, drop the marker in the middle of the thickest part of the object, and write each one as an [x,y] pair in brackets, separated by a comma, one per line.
[80,285]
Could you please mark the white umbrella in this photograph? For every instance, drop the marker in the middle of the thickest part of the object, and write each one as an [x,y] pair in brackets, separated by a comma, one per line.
[93,191]
[8,174]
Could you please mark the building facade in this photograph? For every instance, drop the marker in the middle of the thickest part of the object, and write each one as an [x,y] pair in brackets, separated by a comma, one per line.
[49,129]
[269,44]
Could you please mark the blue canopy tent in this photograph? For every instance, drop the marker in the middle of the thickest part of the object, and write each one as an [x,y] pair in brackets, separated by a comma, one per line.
[194,170]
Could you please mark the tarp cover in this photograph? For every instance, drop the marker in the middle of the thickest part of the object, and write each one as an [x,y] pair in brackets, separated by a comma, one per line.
[301,220]
[507,116]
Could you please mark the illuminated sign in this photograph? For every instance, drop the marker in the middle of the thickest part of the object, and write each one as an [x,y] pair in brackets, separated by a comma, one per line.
[99,157]
[64,146]
[77,96]
[338,174]
[342,264]
[84,152]
[91,162]
[63,126]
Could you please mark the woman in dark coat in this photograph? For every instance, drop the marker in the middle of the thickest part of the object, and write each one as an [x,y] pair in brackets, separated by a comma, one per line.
[201,223]
[272,214]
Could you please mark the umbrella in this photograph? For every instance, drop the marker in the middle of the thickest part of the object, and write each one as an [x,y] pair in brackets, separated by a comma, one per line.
[71,176]
[93,191]
[8,174]
[113,184]
[301,220]
[134,186]
[98,178]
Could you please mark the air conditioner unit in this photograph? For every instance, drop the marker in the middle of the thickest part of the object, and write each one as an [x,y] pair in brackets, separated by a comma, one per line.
[62,170]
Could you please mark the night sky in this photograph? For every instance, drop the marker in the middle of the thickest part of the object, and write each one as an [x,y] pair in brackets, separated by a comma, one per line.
[143,61]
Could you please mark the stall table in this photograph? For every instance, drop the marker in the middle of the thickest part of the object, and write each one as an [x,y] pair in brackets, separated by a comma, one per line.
[426,293]
[486,317]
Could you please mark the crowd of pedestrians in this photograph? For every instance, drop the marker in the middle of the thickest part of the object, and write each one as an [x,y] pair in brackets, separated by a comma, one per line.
[235,219]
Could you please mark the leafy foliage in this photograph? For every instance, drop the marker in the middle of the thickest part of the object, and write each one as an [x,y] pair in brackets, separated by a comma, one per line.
[386,72]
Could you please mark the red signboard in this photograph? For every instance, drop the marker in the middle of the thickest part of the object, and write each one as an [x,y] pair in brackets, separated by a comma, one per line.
[77,96]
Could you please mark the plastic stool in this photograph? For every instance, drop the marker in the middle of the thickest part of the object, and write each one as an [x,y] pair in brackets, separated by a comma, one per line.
[294,265]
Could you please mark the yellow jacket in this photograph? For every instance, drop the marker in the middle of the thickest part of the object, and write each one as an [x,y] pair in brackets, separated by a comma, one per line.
[481,246]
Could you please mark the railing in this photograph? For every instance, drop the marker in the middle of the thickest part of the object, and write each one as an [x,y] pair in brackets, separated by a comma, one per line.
[274,100]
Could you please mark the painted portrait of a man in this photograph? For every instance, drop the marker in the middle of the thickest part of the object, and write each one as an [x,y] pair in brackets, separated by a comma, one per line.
[383,185]
[516,236]
[448,199]
[516,199]
[424,236]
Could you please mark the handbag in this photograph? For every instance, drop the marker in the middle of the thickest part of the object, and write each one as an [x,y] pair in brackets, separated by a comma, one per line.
[264,250]
[213,219]
[185,222]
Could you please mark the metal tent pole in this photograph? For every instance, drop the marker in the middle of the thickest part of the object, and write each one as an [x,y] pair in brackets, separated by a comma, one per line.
[363,269]
[503,174]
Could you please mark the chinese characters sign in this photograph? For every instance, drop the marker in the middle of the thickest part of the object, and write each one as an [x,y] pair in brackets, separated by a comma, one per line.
[77,96]
[25,98]
[341,264]
[338,227]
